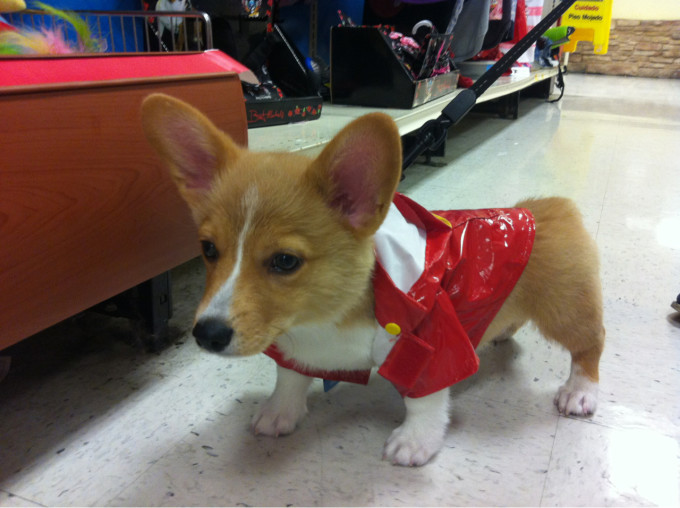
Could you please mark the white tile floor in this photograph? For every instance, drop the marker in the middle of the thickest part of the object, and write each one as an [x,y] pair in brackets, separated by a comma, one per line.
[87,419]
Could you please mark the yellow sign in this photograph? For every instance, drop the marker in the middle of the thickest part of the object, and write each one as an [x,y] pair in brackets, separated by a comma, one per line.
[592,20]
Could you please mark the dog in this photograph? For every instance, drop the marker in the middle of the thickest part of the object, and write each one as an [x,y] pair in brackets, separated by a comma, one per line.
[294,269]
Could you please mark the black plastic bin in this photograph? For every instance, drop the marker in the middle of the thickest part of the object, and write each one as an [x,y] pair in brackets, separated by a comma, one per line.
[366,72]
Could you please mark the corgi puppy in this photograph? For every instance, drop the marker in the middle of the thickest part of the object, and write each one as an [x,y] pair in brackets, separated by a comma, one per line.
[323,266]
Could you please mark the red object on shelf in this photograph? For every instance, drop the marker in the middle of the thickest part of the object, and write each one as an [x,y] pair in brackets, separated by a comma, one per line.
[26,71]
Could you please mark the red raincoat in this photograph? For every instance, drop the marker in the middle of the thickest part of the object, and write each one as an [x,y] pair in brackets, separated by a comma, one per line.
[472,261]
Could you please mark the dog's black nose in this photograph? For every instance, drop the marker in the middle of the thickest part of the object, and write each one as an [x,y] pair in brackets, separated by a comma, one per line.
[212,334]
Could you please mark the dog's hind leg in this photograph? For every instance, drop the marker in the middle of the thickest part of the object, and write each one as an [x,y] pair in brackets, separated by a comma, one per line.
[576,323]
[560,292]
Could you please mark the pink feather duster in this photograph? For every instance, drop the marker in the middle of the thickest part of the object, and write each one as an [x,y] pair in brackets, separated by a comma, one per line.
[50,41]
[32,42]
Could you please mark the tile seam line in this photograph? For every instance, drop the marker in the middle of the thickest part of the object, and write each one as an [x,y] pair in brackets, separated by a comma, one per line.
[610,168]
[550,461]
[12,494]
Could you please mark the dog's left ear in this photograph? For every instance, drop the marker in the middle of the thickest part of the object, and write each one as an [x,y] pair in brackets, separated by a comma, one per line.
[358,172]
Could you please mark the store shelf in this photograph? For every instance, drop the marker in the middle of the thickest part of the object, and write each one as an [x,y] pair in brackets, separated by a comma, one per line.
[310,137]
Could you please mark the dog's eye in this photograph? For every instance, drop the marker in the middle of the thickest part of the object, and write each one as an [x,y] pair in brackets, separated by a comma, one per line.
[209,250]
[284,263]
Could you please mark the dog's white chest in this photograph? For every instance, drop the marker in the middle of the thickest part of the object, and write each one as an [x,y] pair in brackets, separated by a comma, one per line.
[328,347]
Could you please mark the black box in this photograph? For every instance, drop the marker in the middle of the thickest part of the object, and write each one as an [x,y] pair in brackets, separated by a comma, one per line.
[299,86]
[365,71]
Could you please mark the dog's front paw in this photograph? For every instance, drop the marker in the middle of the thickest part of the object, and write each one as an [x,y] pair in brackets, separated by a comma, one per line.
[409,445]
[274,420]
[578,397]
[421,435]
[286,407]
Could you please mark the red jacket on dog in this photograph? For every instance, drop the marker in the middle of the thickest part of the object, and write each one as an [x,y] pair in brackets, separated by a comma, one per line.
[439,281]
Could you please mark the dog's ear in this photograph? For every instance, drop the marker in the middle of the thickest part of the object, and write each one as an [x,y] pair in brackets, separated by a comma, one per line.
[358,172]
[190,144]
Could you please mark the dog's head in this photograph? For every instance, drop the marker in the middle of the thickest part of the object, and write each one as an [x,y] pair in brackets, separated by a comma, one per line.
[286,240]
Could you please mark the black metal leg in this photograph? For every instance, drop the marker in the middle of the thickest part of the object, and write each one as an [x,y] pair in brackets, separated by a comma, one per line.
[543,89]
[511,106]
[148,306]
[506,106]
[156,305]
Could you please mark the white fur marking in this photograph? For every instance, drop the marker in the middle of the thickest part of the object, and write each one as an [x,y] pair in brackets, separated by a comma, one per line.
[421,435]
[325,346]
[286,406]
[578,396]
[220,304]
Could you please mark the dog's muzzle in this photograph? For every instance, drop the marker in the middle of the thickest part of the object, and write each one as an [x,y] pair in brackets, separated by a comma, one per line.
[213,334]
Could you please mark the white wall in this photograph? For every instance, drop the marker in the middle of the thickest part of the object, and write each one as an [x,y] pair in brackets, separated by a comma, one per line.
[646,9]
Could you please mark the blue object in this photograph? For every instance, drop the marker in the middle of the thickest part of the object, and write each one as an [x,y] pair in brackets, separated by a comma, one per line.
[114,34]
[329,385]
[295,21]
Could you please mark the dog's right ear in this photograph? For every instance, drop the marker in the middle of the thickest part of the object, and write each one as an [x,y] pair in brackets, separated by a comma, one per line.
[188,142]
